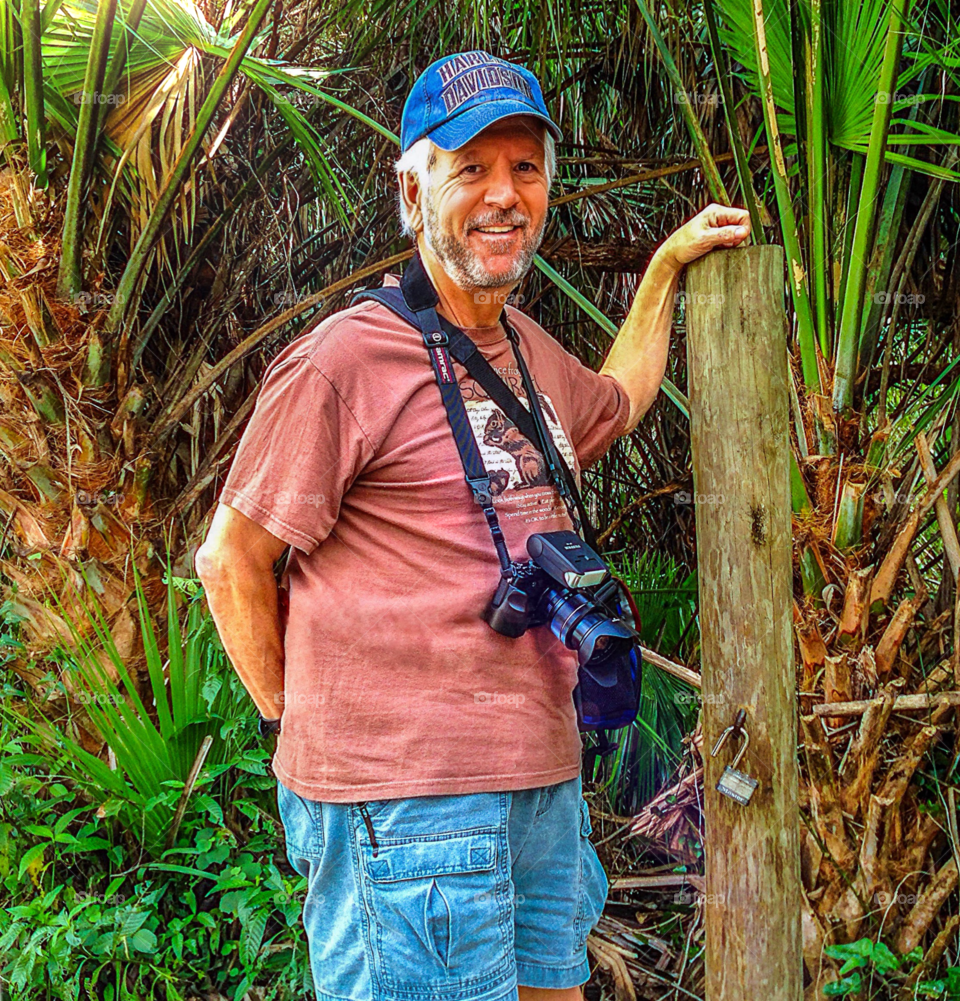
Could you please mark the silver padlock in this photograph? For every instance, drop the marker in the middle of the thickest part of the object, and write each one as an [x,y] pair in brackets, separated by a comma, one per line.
[734,783]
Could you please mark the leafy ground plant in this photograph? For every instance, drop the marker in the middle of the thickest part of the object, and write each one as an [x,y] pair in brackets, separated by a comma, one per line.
[871,969]
[159,872]
[80,917]
[188,715]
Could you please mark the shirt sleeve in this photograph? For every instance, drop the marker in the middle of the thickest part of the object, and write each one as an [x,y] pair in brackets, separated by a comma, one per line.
[299,454]
[600,408]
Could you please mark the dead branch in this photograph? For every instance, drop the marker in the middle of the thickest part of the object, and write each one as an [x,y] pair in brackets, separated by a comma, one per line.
[925,910]
[887,574]
[903,703]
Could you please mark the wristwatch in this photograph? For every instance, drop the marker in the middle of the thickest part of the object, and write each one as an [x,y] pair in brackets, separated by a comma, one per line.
[267,726]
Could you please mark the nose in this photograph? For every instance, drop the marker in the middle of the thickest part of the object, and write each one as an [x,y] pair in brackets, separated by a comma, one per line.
[501,192]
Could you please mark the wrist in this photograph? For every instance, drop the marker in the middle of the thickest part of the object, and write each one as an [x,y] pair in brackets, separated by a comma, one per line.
[665,259]
[267,726]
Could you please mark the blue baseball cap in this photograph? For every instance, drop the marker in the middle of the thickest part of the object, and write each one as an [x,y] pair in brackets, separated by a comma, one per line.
[458,96]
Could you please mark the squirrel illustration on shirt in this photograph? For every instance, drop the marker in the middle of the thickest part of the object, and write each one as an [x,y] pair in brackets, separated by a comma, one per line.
[499,478]
[502,433]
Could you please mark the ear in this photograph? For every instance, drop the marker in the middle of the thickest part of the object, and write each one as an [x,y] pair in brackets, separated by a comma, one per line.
[410,195]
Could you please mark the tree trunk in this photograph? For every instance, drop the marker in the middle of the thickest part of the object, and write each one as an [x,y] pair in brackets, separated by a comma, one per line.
[740,443]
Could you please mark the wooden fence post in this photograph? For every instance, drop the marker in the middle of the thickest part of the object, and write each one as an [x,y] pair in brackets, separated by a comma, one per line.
[737,378]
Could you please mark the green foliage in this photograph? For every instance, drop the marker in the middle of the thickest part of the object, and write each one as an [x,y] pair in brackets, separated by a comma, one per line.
[195,695]
[650,749]
[866,962]
[80,912]
[846,98]
[86,908]
[947,986]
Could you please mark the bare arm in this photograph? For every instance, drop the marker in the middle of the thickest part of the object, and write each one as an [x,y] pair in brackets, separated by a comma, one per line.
[638,358]
[235,565]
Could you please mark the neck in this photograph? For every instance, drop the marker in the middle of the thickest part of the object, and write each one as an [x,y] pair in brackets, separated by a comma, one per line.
[460,306]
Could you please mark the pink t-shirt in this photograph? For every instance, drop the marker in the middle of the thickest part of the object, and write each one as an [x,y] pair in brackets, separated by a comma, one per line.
[394,686]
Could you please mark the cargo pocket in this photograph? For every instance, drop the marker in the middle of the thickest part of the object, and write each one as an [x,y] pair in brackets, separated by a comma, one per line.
[593,881]
[438,909]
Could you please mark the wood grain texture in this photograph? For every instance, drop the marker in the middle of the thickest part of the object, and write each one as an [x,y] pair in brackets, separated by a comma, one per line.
[740,442]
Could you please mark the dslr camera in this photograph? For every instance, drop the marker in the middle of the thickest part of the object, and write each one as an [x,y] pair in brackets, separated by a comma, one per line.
[568,587]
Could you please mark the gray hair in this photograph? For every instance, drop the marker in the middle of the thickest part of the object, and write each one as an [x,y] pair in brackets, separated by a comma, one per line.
[421,158]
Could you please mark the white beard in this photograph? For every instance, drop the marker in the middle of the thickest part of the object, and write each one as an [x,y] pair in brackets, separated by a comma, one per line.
[463,266]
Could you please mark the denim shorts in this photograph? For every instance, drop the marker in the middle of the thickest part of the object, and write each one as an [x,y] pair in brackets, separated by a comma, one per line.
[446,897]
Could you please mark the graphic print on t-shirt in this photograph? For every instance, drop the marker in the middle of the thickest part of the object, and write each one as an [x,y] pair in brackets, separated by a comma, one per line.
[517,470]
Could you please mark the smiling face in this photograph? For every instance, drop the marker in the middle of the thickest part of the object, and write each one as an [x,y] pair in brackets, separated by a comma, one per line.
[485,207]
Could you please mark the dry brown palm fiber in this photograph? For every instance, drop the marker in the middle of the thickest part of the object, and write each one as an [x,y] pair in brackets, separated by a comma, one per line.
[813,931]
[920,918]
[902,703]
[610,961]
[658,881]
[836,682]
[628,937]
[917,847]
[813,651]
[28,526]
[893,636]
[857,773]
[867,661]
[824,795]
[948,530]
[611,256]
[664,820]
[873,878]
[811,855]
[674,814]
[907,762]
[936,640]
[886,577]
[855,902]
[852,629]
[897,782]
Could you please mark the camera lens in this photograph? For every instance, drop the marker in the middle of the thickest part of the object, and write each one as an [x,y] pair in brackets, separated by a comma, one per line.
[576,621]
[604,647]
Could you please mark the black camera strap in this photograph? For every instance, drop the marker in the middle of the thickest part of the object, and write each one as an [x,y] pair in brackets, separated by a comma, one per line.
[415,301]
[421,297]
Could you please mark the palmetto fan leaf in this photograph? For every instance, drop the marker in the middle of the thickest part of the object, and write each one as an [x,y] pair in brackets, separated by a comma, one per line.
[853,49]
[736,31]
[854,39]
[160,89]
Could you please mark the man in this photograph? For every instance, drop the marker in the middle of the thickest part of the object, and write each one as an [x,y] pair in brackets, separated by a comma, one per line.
[429,766]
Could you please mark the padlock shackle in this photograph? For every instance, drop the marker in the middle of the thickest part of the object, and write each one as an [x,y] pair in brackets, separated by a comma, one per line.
[722,738]
[743,747]
[719,743]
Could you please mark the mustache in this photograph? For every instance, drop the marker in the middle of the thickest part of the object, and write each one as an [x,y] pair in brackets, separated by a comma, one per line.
[510,217]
